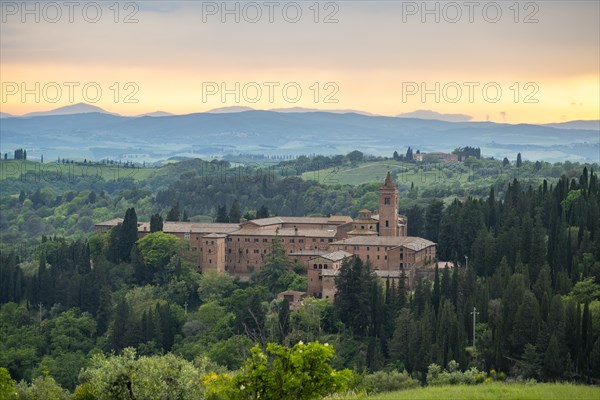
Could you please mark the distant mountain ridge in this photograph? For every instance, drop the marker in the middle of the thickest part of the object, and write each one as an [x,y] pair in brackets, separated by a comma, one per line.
[84,108]
[579,124]
[156,114]
[79,108]
[99,134]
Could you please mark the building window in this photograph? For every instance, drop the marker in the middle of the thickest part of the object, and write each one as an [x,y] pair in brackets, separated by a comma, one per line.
[256,240]
[378,256]
[385,257]
[186,236]
[386,201]
[265,240]
[322,240]
[368,248]
[300,240]
[387,224]
[229,251]
[315,266]
[291,240]
[209,251]
[324,266]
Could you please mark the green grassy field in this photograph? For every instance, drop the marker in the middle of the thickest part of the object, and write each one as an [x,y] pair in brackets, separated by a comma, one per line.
[497,391]
[422,175]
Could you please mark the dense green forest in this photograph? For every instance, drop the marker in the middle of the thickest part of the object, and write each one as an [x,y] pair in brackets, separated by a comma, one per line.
[75,306]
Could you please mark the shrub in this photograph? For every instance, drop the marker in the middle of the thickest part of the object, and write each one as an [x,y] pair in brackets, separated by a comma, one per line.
[453,375]
[383,381]
[301,372]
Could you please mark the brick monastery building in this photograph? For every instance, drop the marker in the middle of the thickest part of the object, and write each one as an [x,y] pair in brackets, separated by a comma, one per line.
[321,244]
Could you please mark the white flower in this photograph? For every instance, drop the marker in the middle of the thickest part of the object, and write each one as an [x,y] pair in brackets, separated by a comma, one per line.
[301,343]
[326,345]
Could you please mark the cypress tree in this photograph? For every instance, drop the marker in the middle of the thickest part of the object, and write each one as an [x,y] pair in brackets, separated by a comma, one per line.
[120,334]
[284,320]
[435,295]
[262,212]
[174,213]
[222,216]
[156,223]
[128,235]
[354,297]
[234,213]
[553,365]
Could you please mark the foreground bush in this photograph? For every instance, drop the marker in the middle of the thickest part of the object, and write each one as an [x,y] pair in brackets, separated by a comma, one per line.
[301,372]
[383,381]
[145,378]
[453,375]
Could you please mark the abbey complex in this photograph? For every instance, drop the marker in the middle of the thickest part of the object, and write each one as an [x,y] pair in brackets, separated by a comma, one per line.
[321,244]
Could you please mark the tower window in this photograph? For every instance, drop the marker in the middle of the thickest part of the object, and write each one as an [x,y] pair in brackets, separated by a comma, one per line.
[387,224]
[386,201]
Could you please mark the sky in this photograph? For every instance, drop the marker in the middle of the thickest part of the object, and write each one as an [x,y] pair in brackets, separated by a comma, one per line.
[504,61]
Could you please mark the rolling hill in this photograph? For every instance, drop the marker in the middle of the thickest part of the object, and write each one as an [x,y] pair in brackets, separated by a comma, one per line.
[96,135]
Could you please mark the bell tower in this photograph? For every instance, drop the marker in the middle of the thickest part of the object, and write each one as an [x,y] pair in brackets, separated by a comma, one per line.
[388,208]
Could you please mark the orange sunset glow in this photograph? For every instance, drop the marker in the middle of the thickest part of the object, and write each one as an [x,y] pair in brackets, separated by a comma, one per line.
[531,65]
